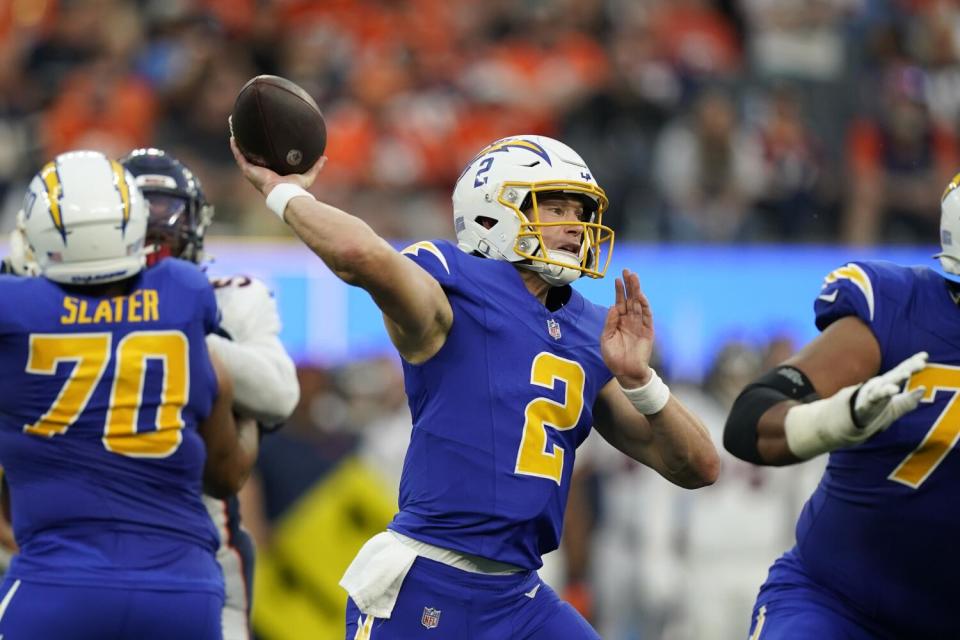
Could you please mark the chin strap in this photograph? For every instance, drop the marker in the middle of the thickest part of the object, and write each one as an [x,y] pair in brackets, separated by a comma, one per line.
[564,276]
[554,274]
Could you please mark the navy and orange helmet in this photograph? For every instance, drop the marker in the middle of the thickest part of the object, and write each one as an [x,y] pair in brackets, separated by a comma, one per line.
[179,211]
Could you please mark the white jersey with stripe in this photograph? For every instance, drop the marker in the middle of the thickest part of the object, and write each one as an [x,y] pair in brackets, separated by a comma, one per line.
[266,387]
[264,375]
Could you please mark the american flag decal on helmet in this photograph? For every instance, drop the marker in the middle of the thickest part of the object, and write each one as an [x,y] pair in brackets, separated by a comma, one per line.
[430,618]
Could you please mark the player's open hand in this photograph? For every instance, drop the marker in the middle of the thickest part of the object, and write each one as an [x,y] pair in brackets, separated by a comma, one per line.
[880,401]
[264,179]
[627,339]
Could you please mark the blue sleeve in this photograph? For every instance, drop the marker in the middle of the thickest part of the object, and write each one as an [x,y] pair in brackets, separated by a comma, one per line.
[871,291]
[210,310]
[438,258]
[195,280]
[208,314]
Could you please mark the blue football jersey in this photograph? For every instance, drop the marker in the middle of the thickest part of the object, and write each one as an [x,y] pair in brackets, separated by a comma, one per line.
[98,430]
[882,527]
[498,412]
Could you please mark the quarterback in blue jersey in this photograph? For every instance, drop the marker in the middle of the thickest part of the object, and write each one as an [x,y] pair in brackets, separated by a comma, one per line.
[112,421]
[877,391]
[506,370]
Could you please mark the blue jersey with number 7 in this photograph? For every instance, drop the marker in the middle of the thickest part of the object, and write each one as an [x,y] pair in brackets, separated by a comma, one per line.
[99,408]
[498,412]
[880,532]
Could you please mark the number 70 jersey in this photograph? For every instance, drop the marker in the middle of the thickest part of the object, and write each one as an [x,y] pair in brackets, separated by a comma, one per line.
[98,430]
[883,525]
[498,412]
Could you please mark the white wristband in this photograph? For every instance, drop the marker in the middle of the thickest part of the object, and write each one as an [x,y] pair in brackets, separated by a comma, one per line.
[650,398]
[282,194]
[820,426]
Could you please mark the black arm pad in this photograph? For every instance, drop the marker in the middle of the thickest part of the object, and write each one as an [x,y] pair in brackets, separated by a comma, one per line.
[775,386]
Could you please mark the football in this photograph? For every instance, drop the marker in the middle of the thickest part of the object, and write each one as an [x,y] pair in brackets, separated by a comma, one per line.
[278,125]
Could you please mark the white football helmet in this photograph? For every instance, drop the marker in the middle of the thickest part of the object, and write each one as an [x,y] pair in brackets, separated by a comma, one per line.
[950,227]
[502,181]
[85,219]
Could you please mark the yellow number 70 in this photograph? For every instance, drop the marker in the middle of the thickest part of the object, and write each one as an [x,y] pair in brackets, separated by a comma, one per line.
[91,353]
[943,435]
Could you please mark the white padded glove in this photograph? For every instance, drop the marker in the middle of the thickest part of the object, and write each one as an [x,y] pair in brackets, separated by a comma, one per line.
[854,413]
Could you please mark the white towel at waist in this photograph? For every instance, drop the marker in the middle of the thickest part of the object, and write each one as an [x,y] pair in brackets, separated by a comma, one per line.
[376,574]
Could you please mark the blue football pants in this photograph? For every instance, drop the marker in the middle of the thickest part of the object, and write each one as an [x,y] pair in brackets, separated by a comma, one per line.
[438,601]
[36,610]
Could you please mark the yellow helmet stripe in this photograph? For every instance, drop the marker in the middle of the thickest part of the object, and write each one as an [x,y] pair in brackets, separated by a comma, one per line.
[856,275]
[520,143]
[51,180]
[954,183]
[120,182]
[513,143]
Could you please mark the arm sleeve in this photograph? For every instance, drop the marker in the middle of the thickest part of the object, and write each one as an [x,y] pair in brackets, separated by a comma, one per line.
[264,375]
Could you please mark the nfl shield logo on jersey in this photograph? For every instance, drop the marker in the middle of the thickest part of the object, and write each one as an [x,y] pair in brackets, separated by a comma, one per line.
[430,618]
[554,328]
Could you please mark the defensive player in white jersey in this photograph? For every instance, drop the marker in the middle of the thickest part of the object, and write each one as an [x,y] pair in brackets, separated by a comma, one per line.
[264,375]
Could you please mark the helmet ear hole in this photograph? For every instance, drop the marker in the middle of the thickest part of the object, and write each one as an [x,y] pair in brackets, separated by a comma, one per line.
[485,221]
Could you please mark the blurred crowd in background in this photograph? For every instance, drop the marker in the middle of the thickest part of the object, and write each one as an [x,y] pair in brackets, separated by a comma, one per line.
[705,121]
[714,121]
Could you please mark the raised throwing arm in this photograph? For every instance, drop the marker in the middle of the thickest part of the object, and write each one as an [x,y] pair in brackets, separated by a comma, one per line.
[416,310]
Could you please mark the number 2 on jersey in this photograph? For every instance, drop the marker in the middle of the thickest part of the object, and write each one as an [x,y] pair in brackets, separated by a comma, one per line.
[91,353]
[943,435]
[533,459]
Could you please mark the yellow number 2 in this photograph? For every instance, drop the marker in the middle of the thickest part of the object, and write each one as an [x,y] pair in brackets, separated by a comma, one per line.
[91,352]
[943,435]
[533,459]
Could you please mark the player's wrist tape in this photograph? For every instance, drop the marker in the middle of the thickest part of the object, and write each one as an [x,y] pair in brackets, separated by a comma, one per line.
[822,426]
[282,194]
[650,398]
